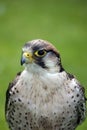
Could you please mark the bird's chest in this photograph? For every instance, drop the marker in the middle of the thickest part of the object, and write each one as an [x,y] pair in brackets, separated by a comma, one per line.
[36,105]
[38,95]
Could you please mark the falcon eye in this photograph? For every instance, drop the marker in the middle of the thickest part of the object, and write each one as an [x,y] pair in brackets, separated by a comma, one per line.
[40,53]
[27,55]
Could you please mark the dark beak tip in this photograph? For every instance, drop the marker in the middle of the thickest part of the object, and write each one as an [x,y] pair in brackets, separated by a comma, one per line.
[22,61]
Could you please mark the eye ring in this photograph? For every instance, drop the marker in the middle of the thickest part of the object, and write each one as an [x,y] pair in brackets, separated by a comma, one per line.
[40,53]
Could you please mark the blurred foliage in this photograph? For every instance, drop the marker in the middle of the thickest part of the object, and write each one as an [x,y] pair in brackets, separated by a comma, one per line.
[62,22]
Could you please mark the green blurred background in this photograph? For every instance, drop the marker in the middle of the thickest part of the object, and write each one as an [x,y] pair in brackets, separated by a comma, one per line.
[62,22]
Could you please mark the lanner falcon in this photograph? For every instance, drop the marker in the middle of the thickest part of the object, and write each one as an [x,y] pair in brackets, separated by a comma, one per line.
[44,96]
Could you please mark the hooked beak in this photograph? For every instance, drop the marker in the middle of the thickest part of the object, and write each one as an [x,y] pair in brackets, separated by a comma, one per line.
[26,58]
[23,60]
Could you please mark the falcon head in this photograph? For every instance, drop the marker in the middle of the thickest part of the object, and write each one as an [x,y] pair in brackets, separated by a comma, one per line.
[40,54]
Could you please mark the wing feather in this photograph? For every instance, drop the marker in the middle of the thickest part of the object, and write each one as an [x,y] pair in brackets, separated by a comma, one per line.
[81,106]
[81,109]
[11,84]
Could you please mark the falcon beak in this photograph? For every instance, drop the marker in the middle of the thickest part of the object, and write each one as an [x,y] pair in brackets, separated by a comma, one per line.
[26,58]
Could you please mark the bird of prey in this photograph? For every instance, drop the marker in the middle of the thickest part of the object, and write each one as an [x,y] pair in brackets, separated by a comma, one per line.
[44,96]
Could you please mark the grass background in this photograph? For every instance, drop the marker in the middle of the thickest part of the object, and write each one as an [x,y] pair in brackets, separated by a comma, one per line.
[62,22]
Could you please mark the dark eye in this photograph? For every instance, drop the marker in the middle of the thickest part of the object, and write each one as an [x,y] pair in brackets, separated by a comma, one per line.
[40,53]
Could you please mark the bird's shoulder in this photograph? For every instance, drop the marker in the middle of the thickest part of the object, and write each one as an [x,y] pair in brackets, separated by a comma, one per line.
[10,86]
[76,83]
[79,91]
